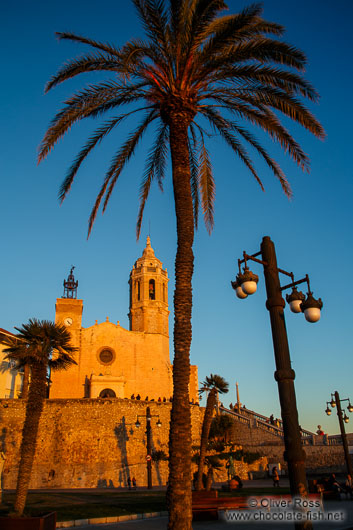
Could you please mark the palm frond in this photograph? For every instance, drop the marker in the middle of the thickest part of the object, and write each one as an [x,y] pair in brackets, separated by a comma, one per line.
[268,121]
[91,102]
[259,50]
[224,128]
[117,165]
[207,187]
[95,139]
[84,64]
[105,47]
[272,164]
[156,162]
[254,75]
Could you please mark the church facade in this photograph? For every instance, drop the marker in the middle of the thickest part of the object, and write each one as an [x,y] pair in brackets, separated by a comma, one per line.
[113,361]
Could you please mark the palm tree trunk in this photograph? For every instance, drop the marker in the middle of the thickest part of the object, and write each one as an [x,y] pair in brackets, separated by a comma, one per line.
[25,382]
[179,484]
[206,425]
[34,409]
[209,480]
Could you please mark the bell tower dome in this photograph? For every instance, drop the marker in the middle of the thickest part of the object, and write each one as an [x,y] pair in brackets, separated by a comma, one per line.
[149,294]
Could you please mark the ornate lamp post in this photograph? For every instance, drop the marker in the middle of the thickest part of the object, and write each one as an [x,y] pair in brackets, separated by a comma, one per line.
[149,416]
[246,284]
[336,401]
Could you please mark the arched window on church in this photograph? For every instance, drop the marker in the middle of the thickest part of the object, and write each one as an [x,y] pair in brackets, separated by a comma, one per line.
[152,290]
[164,292]
[138,290]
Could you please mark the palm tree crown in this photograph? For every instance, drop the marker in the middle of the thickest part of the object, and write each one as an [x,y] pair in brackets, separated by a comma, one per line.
[224,71]
[41,344]
[216,382]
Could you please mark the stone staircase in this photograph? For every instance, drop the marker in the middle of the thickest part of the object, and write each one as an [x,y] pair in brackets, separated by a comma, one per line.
[251,427]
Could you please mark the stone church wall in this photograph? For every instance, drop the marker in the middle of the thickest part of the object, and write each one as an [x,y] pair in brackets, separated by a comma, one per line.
[88,443]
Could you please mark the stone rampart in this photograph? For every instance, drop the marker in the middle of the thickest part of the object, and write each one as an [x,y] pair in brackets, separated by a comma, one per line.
[87,443]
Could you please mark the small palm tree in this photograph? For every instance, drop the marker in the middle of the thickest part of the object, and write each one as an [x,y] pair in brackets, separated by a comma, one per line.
[213,384]
[221,427]
[212,462]
[41,345]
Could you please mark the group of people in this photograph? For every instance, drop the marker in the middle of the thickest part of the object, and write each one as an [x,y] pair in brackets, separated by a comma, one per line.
[273,421]
[335,486]
[131,483]
[160,400]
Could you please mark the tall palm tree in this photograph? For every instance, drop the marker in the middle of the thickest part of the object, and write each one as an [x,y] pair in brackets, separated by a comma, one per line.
[196,69]
[41,345]
[214,385]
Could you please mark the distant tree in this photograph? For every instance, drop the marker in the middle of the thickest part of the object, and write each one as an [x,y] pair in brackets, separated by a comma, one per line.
[220,427]
[41,345]
[214,384]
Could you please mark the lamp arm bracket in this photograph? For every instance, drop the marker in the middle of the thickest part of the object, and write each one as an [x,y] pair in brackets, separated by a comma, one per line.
[289,285]
[252,258]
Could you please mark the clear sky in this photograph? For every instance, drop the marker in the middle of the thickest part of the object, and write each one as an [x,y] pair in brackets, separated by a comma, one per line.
[313,232]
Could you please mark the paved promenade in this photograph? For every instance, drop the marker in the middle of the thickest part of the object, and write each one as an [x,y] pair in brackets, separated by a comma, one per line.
[340,507]
[341,510]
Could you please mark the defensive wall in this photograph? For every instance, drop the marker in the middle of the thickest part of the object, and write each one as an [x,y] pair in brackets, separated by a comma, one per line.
[323,454]
[89,443]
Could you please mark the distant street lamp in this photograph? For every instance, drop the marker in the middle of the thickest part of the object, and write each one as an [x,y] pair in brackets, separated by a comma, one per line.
[246,284]
[336,401]
[149,442]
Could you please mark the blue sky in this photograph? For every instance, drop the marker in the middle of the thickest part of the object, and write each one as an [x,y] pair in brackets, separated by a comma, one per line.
[312,232]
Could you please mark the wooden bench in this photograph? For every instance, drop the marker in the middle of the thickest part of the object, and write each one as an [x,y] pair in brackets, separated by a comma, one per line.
[207,504]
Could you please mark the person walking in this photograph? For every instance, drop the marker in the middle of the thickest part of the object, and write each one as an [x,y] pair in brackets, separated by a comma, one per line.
[133,483]
[275,477]
[349,486]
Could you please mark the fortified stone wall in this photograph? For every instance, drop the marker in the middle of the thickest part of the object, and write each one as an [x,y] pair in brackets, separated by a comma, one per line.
[322,459]
[319,458]
[88,443]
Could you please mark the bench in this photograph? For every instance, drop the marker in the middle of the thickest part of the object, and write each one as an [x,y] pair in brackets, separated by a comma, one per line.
[207,504]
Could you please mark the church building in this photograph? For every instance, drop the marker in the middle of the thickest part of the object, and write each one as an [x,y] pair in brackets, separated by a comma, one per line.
[113,361]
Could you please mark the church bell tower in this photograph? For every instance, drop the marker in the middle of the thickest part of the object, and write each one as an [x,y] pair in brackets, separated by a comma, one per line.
[68,309]
[149,294]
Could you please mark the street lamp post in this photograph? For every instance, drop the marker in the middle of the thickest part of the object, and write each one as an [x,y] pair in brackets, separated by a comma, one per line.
[149,416]
[336,401]
[244,285]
